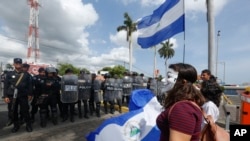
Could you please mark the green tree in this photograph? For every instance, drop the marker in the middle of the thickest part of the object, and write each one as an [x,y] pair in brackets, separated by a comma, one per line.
[9,66]
[107,69]
[63,66]
[167,52]
[118,70]
[130,27]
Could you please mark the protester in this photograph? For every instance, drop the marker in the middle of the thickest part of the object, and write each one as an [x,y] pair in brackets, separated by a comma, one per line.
[212,93]
[184,121]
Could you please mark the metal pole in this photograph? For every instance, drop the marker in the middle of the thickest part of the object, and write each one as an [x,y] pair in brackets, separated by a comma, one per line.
[154,75]
[211,48]
[224,74]
[217,53]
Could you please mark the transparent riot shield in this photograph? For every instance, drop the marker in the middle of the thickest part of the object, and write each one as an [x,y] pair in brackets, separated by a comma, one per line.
[69,89]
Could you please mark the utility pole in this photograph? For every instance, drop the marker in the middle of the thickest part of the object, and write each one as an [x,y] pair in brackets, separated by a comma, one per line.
[217,53]
[211,41]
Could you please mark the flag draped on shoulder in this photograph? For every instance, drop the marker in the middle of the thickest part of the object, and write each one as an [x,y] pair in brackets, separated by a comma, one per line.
[165,22]
[139,124]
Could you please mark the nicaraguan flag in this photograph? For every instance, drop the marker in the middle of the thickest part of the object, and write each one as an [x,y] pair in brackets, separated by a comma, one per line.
[139,124]
[165,22]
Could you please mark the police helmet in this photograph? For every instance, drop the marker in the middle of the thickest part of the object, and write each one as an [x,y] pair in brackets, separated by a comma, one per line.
[41,69]
[107,75]
[51,70]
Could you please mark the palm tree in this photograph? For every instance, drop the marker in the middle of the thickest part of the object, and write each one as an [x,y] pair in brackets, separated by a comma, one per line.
[130,27]
[167,52]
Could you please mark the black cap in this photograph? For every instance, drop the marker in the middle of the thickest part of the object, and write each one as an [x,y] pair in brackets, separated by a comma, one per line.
[18,60]
[26,65]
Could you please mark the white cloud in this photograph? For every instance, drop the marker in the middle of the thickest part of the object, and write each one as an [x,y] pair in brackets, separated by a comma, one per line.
[200,5]
[151,2]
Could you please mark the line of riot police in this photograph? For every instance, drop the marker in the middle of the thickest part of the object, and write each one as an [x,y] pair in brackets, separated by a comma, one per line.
[53,94]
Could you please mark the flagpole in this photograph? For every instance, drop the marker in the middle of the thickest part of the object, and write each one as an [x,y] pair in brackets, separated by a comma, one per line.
[154,75]
[184,44]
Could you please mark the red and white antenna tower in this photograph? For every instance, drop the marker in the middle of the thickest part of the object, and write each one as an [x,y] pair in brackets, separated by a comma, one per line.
[33,40]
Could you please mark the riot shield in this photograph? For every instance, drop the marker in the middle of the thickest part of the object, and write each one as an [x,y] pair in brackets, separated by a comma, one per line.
[69,89]
[118,87]
[153,86]
[84,86]
[97,90]
[127,85]
[139,83]
[109,89]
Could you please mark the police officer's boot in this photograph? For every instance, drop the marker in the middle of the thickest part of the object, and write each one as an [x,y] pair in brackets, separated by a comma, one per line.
[91,108]
[105,107]
[120,109]
[15,128]
[72,119]
[98,107]
[32,118]
[120,105]
[79,106]
[112,107]
[21,120]
[43,118]
[54,116]
[65,117]
[86,111]
[29,127]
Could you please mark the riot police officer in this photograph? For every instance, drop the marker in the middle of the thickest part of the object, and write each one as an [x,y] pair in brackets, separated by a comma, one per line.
[127,87]
[38,80]
[48,97]
[96,94]
[25,68]
[118,91]
[59,102]
[68,104]
[109,94]
[17,92]
[84,92]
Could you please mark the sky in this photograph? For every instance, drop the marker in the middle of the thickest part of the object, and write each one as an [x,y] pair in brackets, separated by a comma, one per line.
[83,33]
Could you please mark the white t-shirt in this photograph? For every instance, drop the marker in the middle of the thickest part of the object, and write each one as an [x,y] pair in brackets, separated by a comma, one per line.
[210,109]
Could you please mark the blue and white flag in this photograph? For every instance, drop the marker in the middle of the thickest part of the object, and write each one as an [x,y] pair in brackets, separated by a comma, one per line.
[165,22]
[139,124]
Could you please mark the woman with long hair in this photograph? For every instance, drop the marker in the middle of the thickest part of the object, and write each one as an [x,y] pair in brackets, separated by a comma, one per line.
[183,122]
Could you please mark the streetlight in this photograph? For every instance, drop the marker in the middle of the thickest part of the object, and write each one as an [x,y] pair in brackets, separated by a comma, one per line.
[217,53]
[224,70]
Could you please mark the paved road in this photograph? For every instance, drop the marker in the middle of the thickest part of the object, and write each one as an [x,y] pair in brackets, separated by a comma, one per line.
[66,131]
